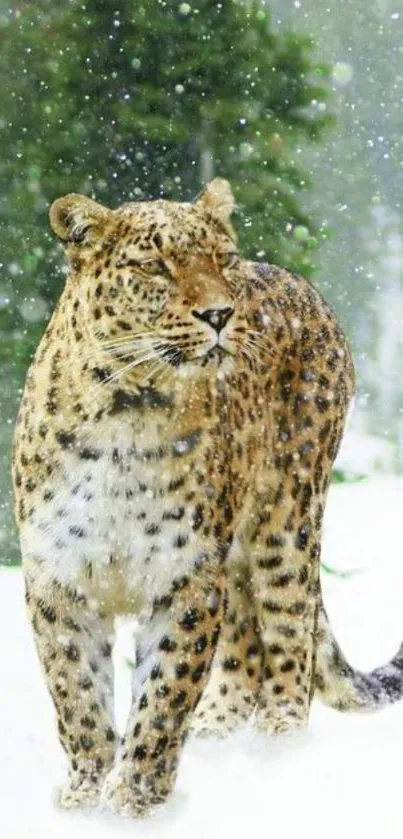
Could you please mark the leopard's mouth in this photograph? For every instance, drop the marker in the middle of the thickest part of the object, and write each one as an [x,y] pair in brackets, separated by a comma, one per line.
[217,354]
[179,357]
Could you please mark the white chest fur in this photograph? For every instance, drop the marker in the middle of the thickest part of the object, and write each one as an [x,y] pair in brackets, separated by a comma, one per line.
[116,516]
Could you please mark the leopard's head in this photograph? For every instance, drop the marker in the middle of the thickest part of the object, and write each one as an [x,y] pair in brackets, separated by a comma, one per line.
[157,286]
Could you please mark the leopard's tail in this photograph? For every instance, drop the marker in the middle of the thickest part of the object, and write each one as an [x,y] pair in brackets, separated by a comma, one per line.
[338,685]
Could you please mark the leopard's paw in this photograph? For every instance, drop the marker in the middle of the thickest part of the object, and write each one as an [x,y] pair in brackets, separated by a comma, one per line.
[134,796]
[220,716]
[212,726]
[280,721]
[77,794]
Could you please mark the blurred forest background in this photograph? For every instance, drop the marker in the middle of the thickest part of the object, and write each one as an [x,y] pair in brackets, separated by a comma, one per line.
[297,102]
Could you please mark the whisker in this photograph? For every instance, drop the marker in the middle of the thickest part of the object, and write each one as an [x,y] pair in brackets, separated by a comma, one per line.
[173,355]
[259,338]
[164,373]
[251,361]
[118,373]
[134,352]
[109,357]
[152,371]
[133,336]
[263,347]
[110,350]
[253,350]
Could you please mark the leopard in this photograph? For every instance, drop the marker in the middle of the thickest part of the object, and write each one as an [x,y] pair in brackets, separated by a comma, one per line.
[171,462]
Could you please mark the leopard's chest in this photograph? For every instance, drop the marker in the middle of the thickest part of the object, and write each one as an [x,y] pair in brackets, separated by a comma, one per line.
[118,522]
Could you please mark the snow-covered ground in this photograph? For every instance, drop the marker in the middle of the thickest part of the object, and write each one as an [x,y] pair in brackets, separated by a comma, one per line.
[342,777]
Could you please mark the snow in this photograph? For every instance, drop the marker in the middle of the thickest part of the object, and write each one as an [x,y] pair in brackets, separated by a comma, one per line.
[364,454]
[342,776]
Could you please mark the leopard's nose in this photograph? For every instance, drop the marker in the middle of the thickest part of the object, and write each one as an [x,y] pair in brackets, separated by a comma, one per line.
[217,318]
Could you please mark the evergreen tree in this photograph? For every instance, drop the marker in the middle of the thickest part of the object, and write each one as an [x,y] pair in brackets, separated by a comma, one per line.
[358,184]
[141,100]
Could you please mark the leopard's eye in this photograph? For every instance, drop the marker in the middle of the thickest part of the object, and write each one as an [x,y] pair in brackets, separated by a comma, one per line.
[152,266]
[227,259]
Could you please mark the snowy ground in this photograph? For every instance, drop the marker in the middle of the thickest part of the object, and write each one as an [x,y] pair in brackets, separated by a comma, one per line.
[342,777]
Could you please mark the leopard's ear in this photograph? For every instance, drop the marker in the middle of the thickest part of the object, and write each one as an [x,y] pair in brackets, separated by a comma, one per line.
[217,197]
[78,220]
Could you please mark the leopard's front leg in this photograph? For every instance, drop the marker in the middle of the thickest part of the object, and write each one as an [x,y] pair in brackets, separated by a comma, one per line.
[175,650]
[74,643]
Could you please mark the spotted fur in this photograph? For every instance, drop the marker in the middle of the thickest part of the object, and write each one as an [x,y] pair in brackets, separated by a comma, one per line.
[171,461]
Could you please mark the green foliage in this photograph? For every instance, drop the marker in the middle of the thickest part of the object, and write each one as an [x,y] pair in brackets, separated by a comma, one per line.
[140,100]
[335,572]
[339,476]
